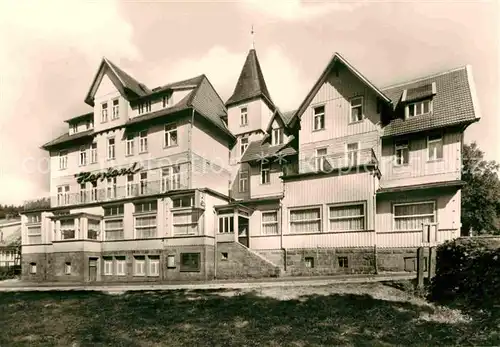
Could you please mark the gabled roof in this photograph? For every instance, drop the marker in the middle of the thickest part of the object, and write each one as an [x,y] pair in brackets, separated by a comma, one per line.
[258,150]
[277,114]
[88,115]
[124,82]
[336,58]
[251,83]
[454,102]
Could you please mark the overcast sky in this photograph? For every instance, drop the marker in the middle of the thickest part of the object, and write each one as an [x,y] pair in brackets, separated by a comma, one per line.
[51,50]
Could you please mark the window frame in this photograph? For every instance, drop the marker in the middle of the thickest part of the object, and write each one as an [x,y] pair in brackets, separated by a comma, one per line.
[277,136]
[63,159]
[429,141]
[166,100]
[301,208]
[320,160]
[265,172]
[82,156]
[115,106]
[104,112]
[420,103]
[422,202]
[121,261]
[171,180]
[243,116]
[93,153]
[354,203]
[401,147]
[139,259]
[243,179]
[130,145]
[143,141]
[263,223]
[354,152]
[322,115]
[168,129]
[33,268]
[111,148]
[182,266]
[230,224]
[67,268]
[244,146]
[352,107]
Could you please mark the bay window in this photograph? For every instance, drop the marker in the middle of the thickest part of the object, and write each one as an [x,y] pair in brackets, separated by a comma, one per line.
[67,227]
[186,222]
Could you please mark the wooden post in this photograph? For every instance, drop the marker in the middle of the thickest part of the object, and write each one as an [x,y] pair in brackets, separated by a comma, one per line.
[420,268]
[431,263]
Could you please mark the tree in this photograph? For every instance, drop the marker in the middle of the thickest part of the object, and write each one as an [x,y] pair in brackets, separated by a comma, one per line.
[481,193]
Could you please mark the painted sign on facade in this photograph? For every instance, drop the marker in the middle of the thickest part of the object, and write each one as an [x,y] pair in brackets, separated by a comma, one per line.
[84,177]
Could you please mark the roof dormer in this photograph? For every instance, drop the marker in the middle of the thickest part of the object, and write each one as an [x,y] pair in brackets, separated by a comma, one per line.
[418,100]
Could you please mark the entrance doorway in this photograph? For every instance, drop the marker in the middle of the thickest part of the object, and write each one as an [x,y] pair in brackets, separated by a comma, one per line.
[243,230]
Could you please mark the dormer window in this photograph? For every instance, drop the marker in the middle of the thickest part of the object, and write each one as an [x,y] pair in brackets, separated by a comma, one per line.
[73,128]
[277,136]
[144,107]
[167,100]
[419,108]
[243,116]
[104,112]
[116,109]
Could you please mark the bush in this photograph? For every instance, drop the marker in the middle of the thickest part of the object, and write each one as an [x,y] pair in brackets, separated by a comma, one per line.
[467,270]
[7,272]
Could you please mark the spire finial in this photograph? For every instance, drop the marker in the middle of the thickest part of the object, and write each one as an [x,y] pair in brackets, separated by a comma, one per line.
[253,40]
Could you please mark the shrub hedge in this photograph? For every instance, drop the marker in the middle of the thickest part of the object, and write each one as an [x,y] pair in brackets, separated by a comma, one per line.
[7,272]
[467,270]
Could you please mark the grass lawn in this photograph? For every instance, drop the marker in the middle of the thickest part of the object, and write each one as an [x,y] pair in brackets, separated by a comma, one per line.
[372,314]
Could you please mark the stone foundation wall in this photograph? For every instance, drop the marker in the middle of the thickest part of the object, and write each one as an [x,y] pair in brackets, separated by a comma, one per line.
[400,259]
[236,261]
[275,256]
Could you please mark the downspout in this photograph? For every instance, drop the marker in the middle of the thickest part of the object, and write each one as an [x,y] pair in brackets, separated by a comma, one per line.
[190,150]
[215,243]
[281,227]
[375,251]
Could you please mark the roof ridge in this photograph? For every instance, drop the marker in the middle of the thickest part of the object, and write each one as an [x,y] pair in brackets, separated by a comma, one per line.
[437,74]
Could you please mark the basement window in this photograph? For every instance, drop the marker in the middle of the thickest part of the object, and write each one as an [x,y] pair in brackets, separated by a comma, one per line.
[67,268]
[343,262]
[224,256]
[33,268]
[309,262]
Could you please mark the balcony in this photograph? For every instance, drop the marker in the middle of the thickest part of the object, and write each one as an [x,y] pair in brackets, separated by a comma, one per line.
[107,194]
[343,162]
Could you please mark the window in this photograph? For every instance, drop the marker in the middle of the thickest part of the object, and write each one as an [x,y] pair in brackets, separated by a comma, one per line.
[356,109]
[419,108]
[305,220]
[411,216]
[93,229]
[63,195]
[116,210]
[34,218]
[63,160]
[226,224]
[34,234]
[190,262]
[130,185]
[186,223]
[243,116]
[111,148]
[111,188]
[143,141]
[150,206]
[121,266]
[145,227]
[183,201]
[139,266]
[116,109]
[243,181]
[104,112]
[265,172]
[402,152]
[171,261]
[167,100]
[113,229]
[93,153]
[347,217]
[108,266]
[129,144]
[319,118]
[277,136]
[170,135]
[352,154]
[73,128]
[171,178]
[143,183]
[144,107]
[93,191]
[154,265]
[67,227]
[343,262]
[32,268]
[270,222]
[67,268]
[320,159]
[243,145]
[309,262]
[435,147]
[83,156]
[83,193]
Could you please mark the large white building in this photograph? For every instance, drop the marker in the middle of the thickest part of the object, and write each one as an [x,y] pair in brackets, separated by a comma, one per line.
[171,183]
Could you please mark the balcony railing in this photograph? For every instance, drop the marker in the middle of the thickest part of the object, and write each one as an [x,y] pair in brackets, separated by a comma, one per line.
[344,162]
[110,193]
